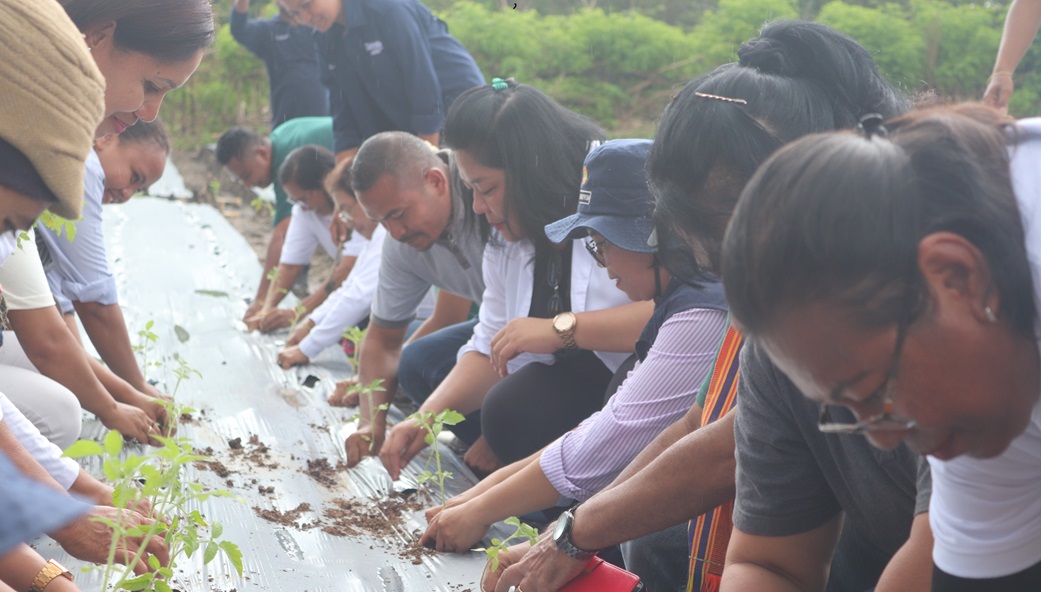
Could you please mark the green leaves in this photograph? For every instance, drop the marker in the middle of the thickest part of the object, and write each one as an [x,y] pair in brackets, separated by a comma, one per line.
[521,531]
[82,448]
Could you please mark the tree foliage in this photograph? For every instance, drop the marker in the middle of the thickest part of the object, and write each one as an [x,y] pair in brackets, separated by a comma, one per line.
[620,61]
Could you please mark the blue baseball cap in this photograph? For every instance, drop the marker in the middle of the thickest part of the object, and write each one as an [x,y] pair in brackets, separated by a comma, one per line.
[614,200]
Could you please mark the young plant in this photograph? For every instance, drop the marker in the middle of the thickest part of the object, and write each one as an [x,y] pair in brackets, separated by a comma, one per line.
[158,477]
[434,424]
[23,237]
[298,311]
[366,391]
[261,205]
[355,335]
[522,531]
[146,338]
[58,224]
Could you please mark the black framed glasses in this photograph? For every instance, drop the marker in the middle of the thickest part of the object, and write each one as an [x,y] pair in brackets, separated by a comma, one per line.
[554,266]
[596,251]
[884,421]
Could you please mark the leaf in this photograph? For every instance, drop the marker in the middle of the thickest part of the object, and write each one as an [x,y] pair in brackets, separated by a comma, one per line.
[153,562]
[82,448]
[513,521]
[162,586]
[113,470]
[234,555]
[216,529]
[113,443]
[211,552]
[450,417]
[139,583]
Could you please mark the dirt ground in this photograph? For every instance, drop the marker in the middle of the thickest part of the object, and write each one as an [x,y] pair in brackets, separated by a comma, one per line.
[210,184]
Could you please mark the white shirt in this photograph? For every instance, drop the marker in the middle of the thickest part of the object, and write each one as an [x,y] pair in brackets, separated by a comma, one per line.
[64,470]
[351,302]
[985,514]
[307,231]
[23,280]
[508,279]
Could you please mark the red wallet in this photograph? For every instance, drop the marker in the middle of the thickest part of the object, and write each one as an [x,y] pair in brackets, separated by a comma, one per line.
[600,576]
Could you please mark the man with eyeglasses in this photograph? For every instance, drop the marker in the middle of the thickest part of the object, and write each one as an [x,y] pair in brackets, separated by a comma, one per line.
[254,161]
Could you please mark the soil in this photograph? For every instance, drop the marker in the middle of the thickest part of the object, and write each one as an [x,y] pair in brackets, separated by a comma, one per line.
[322,471]
[290,518]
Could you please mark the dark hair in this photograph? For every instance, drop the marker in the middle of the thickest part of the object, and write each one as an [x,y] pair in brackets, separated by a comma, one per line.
[147,131]
[405,156]
[339,179]
[839,217]
[306,167]
[168,30]
[234,143]
[795,78]
[538,143]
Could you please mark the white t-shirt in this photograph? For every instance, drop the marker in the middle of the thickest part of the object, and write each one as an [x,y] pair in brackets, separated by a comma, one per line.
[508,279]
[64,470]
[985,514]
[23,280]
[307,231]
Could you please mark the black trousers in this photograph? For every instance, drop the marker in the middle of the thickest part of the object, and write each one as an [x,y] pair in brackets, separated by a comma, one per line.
[535,405]
[1028,580]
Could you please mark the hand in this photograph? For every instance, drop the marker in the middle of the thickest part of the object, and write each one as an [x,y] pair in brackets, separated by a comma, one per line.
[523,335]
[292,356]
[88,540]
[999,90]
[153,402]
[451,503]
[132,423]
[343,396]
[252,311]
[339,229]
[276,319]
[298,334]
[404,442]
[454,530]
[542,568]
[480,458]
[101,493]
[363,443]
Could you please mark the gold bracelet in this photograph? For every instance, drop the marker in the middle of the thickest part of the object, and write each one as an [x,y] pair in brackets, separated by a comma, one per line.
[52,569]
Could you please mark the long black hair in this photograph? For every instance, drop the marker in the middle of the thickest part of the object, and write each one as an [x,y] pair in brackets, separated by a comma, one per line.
[793,79]
[837,218]
[538,143]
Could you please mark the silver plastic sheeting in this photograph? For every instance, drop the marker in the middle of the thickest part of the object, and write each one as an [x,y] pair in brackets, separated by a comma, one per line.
[170,184]
[184,267]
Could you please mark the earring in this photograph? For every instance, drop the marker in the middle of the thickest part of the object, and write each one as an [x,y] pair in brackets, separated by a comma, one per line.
[989,312]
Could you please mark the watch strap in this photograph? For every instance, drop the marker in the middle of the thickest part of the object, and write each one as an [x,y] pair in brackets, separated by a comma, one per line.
[568,335]
[564,540]
[52,569]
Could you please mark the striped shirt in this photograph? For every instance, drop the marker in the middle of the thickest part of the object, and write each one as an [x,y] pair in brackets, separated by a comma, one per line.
[657,392]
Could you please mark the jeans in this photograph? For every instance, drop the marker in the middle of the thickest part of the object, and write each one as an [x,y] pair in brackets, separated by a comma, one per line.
[427,361]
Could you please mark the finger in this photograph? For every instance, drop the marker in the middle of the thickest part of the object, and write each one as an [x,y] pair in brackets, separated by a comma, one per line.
[412,450]
[429,535]
[351,448]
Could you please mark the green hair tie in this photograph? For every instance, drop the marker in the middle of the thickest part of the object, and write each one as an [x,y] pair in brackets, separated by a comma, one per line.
[499,84]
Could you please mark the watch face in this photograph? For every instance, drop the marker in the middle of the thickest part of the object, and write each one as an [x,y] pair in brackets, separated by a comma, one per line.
[562,525]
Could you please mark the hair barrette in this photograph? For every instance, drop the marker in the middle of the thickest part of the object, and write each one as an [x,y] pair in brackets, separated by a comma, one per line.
[719,98]
[499,84]
[871,125]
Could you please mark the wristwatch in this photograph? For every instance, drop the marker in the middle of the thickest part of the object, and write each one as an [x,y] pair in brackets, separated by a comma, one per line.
[564,324]
[562,537]
[51,570]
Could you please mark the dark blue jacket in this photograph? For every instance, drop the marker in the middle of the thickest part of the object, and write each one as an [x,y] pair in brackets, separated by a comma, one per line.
[291,58]
[678,297]
[393,67]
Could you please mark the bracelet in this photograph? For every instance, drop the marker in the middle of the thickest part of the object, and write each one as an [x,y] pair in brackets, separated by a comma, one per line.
[52,569]
[997,73]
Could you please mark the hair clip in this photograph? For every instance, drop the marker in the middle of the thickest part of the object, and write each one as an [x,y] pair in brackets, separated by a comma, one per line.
[499,84]
[871,125]
[719,98]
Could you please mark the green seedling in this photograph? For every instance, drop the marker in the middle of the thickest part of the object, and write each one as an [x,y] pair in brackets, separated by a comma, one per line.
[522,531]
[23,237]
[366,391]
[355,335]
[260,205]
[183,372]
[146,338]
[434,424]
[214,187]
[298,312]
[157,477]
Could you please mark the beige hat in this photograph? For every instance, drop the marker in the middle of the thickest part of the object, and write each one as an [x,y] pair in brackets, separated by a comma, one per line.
[52,96]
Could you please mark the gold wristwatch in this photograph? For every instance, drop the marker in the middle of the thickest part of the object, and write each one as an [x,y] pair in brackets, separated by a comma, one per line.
[51,570]
[564,324]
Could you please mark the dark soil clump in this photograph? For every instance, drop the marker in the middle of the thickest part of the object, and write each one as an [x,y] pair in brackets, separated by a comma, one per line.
[290,518]
[323,472]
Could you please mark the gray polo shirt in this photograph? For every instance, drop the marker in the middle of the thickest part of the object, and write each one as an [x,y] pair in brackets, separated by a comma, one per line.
[452,263]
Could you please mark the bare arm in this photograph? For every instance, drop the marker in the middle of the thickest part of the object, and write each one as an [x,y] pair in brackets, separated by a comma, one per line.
[909,569]
[378,360]
[18,569]
[798,563]
[108,332]
[449,309]
[52,348]
[271,258]
[463,390]
[614,329]
[345,154]
[1021,25]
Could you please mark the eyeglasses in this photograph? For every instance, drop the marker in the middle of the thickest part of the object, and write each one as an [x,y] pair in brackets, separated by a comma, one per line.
[881,422]
[596,251]
[555,304]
